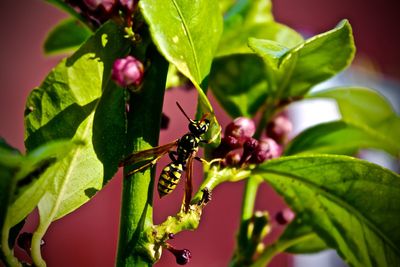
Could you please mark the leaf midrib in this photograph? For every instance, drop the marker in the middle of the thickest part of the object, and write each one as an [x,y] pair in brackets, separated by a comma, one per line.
[339,201]
[189,37]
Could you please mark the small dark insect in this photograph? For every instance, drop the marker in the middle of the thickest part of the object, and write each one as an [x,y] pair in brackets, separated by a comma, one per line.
[181,159]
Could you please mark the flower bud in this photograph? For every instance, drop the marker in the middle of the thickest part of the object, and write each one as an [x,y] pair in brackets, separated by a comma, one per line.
[284,216]
[127,71]
[259,155]
[182,256]
[241,128]
[228,143]
[250,145]
[106,5]
[232,158]
[127,5]
[231,142]
[279,128]
[249,148]
[274,149]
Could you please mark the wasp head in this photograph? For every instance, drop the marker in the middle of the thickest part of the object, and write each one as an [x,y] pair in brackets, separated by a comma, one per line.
[199,127]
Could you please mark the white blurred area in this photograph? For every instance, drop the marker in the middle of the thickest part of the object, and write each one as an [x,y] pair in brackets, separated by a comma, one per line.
[310,112]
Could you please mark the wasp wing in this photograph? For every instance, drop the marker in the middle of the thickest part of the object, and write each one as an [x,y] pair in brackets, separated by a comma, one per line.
[189,184]
[148,154]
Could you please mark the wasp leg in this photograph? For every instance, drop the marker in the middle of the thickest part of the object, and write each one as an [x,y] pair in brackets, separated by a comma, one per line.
[208,162]
[172,155]
[145,166]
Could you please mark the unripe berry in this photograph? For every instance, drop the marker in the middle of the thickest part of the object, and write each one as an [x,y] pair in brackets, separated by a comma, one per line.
[127,71]
[241,128]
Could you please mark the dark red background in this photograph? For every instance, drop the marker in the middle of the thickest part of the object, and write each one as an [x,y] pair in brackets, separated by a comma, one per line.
[88,237]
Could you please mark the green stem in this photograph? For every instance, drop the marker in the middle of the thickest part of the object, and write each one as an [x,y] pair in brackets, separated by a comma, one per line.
[8,253]
[143,132]
[250,194]
[271,251]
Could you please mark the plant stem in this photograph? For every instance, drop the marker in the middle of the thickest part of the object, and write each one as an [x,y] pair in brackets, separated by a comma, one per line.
[249,197]
[270,251]
[143,131]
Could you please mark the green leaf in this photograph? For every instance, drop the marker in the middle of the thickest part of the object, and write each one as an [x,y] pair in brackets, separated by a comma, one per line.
[240,95]
[368,121]
[225,5]
[10,160]
[64,106]
[177,28]
[353,205]
[67,8]
[67,36]
[248,13]
[19,173]
[301,239]
[340,137]
[253,19]
[250,82]
[309,63]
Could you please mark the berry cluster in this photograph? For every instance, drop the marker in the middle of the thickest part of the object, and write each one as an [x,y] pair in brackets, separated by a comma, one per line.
[238,147]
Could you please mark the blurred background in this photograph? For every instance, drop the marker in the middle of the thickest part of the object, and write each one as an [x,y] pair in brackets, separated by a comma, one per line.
[88,237]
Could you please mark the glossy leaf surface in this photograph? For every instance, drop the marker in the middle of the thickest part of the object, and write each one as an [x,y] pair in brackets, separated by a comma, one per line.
[64,106]
[337,196]
[178,30]
[239,80]
[253,19]
[310,62]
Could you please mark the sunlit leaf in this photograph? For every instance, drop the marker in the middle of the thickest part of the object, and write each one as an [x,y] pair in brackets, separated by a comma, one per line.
[353,205]
[64,106]
[177,28]
[310,62]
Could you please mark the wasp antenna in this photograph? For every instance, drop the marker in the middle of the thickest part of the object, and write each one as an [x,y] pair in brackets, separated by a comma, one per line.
[179,106]
[205,116]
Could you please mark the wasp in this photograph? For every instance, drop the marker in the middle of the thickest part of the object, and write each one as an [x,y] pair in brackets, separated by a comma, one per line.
[181,159]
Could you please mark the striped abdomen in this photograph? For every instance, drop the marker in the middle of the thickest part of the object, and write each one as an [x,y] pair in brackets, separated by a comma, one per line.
[169,178]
